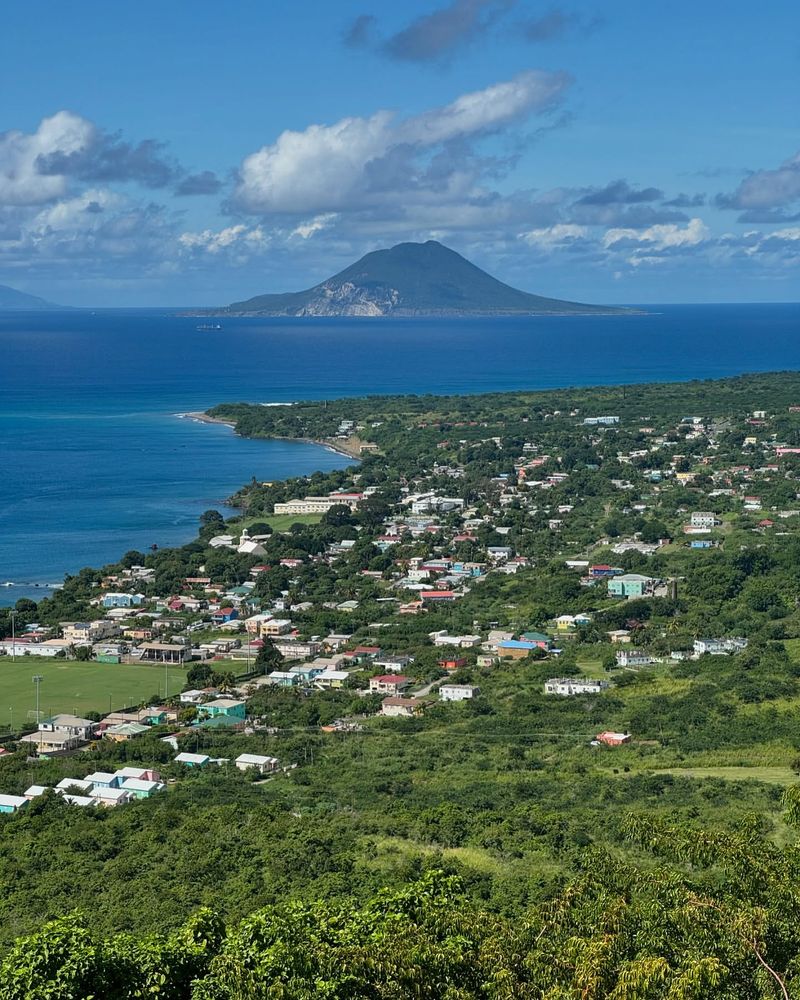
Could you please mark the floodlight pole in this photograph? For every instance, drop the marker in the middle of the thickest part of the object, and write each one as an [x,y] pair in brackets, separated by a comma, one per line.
[14,636]
[37,680]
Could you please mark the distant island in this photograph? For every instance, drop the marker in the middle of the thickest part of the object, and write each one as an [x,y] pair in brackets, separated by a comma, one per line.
[10,298]
[412,279]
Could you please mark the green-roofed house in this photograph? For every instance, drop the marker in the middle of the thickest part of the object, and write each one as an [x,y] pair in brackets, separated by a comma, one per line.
[221,722]
[539,638]
[125,731]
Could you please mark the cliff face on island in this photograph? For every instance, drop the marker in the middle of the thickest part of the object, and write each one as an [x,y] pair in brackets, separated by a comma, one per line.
[412,279]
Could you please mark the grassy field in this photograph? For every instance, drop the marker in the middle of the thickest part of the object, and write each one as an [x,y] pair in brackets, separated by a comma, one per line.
[770,775]
[278,522]
[593,669]
[476,858]
[793,649]
[76,687]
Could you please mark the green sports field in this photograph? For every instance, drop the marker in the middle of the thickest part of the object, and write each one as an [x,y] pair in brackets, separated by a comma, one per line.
[76,687]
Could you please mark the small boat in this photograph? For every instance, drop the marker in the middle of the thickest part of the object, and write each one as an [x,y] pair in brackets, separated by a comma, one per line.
[209,326]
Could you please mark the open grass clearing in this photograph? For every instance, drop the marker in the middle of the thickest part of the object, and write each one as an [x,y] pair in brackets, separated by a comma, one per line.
[593,669]
[278,522]
[770,775]
[476,858]
[77,688]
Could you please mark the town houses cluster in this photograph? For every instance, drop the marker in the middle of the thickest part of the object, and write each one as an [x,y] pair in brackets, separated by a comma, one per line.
[675,492]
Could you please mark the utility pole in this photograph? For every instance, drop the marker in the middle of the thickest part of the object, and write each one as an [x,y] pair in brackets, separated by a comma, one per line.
[37,680]
[14,636]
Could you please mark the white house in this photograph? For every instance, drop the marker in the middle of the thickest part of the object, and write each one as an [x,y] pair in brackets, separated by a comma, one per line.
[111,796]
[35,791]
[192,759]
[68,725]
[703,519]
[567,686]
[262,763]
[331,679]
[633,658]
[192,697]
[719,647]
[11,803]
[462,641]
[458,692]
[79,784]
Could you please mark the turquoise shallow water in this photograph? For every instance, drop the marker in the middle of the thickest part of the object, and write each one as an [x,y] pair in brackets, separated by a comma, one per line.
[94,460]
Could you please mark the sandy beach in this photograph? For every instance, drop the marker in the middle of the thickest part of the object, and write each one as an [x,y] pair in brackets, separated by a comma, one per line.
[338,447]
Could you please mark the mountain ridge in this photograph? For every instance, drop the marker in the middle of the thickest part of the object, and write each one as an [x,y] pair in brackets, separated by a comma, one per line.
[13,299]
[411,279]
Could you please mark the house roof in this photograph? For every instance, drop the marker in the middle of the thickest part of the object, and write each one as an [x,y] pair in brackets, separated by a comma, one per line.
[535,637]
[73,721]
[255,758]
[12,800]
[131,772]
[96,777]
[127,729]
[140,785]
[109,793]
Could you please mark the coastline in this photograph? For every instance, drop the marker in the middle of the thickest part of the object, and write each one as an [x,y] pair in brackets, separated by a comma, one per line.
[339,448]
[204,418]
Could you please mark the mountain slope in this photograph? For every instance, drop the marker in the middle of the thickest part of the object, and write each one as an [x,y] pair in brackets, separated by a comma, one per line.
[411,279]
[10,298]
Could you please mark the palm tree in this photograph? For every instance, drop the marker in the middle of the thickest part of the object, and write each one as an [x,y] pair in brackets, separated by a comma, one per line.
[227,681]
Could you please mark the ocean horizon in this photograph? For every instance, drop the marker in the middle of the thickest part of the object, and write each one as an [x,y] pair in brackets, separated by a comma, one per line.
[96,460]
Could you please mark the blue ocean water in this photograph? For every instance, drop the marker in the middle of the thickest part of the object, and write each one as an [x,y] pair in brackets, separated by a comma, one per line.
[95,461]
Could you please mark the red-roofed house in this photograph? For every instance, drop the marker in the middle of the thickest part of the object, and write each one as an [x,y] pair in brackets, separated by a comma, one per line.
[613,739]
[391,684]
[224,615]
[437,595]
[452,662]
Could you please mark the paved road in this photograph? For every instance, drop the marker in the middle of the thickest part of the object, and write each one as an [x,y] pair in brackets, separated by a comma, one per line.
[421,692]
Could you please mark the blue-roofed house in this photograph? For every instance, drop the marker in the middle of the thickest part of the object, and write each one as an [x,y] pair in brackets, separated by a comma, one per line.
[122,600]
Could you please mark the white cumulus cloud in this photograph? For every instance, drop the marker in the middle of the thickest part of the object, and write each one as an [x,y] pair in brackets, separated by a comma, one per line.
[358,161]
[307,229]
[21,182]
[238,237]
[660,237]
[554,236]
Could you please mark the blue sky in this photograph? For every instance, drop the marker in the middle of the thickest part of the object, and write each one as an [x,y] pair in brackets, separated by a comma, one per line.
[198,152]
